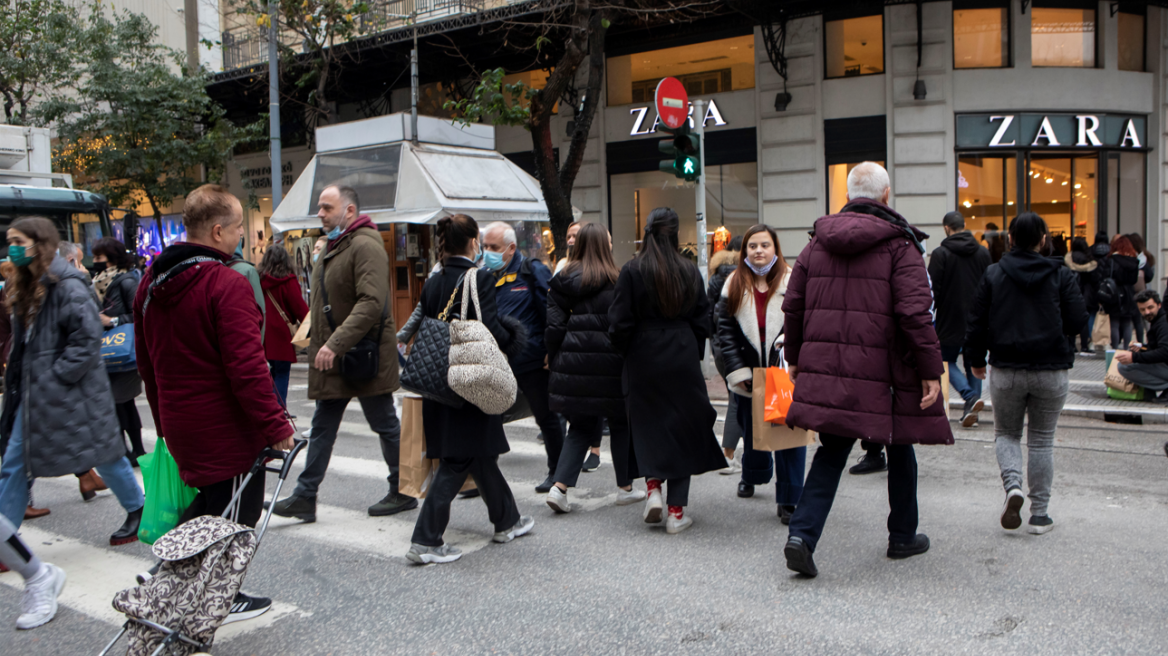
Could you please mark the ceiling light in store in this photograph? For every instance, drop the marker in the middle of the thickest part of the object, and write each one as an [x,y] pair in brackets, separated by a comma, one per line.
[1010,203]
[1078,185]
[1053,201]
[967,204]
[1049,180]
[1065,183]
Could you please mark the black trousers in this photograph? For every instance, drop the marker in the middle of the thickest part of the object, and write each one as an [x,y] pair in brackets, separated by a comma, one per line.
[448,480]
[823,481]
[676,491]
[584,432]
[213,499]
[871,448]
[131,425]
[535,387]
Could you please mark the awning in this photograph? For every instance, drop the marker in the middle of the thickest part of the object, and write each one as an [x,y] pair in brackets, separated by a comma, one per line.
[404,182]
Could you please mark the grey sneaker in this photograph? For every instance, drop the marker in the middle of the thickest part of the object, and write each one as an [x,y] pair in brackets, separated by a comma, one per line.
[969,414]
[523,527]
[424,555]
[393,503]
[297,507]
[1011,510]
[39,601]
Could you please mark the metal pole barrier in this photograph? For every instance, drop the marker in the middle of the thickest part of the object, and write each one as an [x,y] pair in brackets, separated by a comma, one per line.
[274,112]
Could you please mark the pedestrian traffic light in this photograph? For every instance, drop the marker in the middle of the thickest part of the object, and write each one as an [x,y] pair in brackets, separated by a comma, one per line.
[683,149]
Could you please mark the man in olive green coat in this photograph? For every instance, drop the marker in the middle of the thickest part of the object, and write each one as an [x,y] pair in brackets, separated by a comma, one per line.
[350,303]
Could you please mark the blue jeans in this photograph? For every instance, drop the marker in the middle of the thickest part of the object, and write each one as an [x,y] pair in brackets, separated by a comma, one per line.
[758,466]
[118,476]
[281,371]
[961,379]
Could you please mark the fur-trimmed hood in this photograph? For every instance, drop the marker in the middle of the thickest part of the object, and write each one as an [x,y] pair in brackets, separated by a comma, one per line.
[1085,267]
[723,258]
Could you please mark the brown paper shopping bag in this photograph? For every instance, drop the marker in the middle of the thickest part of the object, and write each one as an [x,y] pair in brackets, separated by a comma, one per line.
[1116,381]
[1101,333]
[945,386]
[768,436]
[416,471]
[300,339]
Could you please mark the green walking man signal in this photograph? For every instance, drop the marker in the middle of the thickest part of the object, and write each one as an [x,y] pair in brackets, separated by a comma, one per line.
[683,149]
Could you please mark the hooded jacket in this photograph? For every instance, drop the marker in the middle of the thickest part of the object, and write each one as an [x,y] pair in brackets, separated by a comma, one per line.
[1026,306]
[859,328]
[1125,271]
[955,270]
[722,264]
[58,380]
[281,295]
[585,368]
[199,353]
[1087,270]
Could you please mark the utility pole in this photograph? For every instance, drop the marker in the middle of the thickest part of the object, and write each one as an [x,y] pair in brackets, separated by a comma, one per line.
[277,175]
[414,80]
[700,123]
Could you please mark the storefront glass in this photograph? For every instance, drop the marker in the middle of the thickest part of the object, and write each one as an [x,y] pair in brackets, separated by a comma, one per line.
[1131,41]
[854,46]
[731,201]
[704,68]
[370,171]
[987,191]
[1064,190]
[981,38]
[837,185]
[1062,37]
[1125,192]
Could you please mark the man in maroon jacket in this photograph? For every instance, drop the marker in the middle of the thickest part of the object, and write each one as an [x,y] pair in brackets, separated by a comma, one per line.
[197,341]
[865,359]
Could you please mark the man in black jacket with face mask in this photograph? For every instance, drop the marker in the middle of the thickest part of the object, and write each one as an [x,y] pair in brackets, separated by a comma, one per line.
[956,269]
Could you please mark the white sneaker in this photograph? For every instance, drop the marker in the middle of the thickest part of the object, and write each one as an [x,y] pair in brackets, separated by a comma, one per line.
[523,527]
[557,500]
[1012,509]
[675,525]
[654,507]
[39,602]
[733,466]
[630,497]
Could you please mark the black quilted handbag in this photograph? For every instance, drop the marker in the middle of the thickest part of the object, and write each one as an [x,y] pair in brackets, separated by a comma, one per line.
[425,371]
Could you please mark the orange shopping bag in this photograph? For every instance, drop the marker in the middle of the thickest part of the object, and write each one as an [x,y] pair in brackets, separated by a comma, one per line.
[779,392]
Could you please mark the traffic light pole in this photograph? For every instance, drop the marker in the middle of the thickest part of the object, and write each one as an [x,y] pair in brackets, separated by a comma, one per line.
[703,258]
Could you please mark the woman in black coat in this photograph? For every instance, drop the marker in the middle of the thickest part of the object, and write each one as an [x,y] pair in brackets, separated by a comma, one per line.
[751,339]
[585,368]
[659,317]
[1122,267]
[465,440]
[116,284]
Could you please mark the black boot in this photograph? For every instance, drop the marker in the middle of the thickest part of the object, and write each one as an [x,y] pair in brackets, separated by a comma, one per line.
[129,531]
[745,490]
[294,506]
[392,504]
[870,464]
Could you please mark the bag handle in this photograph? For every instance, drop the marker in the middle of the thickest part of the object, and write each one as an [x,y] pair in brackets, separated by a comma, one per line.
[277,306]
[445,314]
[172,272]
[471,289]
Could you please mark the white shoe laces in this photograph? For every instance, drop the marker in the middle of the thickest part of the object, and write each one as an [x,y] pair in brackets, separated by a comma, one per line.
[38,597]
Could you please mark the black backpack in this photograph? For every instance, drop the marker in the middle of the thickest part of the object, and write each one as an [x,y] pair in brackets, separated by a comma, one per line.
[1108,294]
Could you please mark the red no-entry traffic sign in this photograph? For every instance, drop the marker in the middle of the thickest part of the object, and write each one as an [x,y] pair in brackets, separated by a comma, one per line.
[672,102]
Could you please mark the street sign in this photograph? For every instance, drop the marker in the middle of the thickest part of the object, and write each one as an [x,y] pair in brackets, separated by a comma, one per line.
[672,102]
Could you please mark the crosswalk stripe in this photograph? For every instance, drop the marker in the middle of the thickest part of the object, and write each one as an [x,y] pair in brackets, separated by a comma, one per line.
[96,574]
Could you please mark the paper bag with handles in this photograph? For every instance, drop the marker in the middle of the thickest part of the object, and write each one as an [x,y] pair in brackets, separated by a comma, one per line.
[300,339]
[416,470]
[768,436]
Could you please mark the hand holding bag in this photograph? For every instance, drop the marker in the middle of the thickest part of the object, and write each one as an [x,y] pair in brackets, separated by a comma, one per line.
[425,372]
[479,372]
[779,393]
[767,436]
[117,349]
[1116,381]
[167,497]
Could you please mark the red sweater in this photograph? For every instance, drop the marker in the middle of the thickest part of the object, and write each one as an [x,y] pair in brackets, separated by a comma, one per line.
[199,352]
[286,292]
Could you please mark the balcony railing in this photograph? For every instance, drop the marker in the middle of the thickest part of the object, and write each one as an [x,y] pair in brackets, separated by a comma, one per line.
[247,45]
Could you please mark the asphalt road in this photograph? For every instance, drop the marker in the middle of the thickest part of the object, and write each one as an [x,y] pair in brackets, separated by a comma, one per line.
[599,581]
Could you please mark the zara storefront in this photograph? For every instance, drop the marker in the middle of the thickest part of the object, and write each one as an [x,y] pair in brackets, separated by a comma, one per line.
[989,107]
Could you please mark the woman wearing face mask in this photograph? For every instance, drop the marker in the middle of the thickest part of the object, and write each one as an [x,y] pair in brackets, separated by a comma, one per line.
[58,415]
[659,317]
[750,328]
[465,440]
[282,298]
[115,284]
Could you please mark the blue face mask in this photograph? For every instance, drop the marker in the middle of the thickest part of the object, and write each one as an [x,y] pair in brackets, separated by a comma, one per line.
[334,233]
[493,260]
[315,257]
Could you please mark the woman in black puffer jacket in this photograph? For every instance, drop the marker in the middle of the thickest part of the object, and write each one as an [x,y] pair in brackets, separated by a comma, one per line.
[585,368]
[116,284]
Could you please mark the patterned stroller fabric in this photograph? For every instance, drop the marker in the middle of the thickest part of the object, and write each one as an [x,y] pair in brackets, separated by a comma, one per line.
[204,562]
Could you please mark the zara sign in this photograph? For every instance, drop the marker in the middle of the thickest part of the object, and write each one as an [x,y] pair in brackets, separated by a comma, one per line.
[1080,130]
[712,114]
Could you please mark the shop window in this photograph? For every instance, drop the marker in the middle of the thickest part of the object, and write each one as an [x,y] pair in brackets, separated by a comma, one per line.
[1064,190]
[987,192]
[854,46]
[1131,41]
[372,172]
[837,185]
[703,68]
[1126,198]
[981,35]
[1061,36]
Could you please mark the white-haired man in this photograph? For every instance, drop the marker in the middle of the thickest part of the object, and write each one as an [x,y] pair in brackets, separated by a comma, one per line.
[521,292]
[865,359]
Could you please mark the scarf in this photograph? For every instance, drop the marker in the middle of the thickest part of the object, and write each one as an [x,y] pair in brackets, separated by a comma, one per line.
[101,281]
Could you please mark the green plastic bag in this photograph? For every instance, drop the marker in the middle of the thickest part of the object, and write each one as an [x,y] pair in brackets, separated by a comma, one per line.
[167,497]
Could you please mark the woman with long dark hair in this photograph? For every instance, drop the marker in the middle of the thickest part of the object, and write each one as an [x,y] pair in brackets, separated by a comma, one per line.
[58,415]
[1025,307]
[750,328]
[284,305]
[659,317]
[465,440]
[585,368]
[116,284]
[1123,267]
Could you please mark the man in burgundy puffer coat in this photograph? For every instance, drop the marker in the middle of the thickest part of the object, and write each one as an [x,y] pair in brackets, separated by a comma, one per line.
[865,358]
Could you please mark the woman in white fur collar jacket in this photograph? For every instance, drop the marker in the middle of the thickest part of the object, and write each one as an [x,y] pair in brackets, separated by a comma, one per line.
[750,328]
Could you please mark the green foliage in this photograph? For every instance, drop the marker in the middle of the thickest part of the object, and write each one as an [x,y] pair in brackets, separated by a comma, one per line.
[38,50]
[134,124]
[495,102]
